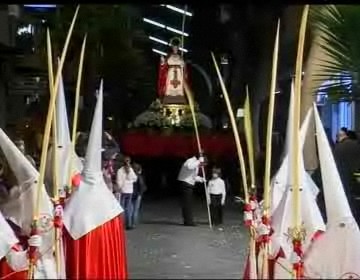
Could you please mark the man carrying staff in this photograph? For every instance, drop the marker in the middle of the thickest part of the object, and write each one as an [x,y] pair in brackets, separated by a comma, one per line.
[187,177]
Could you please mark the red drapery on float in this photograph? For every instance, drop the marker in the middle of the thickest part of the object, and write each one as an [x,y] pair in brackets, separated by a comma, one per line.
[176,145]
[100,254]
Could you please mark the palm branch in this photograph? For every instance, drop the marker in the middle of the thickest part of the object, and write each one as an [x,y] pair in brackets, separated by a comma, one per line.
[339,27]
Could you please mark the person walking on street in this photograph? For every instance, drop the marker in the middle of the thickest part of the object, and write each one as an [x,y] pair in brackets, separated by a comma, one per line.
[125,179]
[217,192]
[187,177]
[139,189]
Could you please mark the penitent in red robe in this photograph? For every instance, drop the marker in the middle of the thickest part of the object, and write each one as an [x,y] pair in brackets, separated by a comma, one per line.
[95,246]
[103,250]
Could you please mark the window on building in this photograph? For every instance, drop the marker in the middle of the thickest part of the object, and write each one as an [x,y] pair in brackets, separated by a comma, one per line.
[336,113]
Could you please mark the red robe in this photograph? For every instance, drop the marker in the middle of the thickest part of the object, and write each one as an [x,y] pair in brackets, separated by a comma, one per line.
[100,254]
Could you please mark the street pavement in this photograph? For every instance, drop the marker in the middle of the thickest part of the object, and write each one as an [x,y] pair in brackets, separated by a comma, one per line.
[160,247]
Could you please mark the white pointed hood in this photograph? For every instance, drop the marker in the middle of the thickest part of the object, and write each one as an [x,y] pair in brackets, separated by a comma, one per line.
[7,237]
[280,179]
[18,163]
[21,204]
[282,215]
[93,153]
[290,119]
[337,206]
[82,214]
[63,132]
[341,241]
[63,146]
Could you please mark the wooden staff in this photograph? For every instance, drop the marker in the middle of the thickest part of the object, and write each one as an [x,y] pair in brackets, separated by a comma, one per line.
[189,96]
[296,159]
[249,139]
[296,119]
[182,34]
[252,233]
[46,136]
[270,120]
[235,131]
[76,111]
[250,150]
[55,182]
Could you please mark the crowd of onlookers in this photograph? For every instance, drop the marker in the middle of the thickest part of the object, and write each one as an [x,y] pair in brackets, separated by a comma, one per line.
[126,179]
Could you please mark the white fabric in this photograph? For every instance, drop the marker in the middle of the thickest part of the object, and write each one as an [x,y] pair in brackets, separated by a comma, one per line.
[62,272]
[335,253]
[35,240]
[18,260]
[341,241]
[63,157]
[125,181]
[63,148]
[282,220]
[279,181]
[175,74]
[290,120]
[248,216]
[91,204]
[282,217]
[7,237]
[337,206]
[189,171]
[45,269]
[20,166]
[262,229]
[217,186]
[283,269]
[20,206]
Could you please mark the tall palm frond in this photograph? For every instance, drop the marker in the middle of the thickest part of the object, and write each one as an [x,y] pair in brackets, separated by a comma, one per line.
[339,28]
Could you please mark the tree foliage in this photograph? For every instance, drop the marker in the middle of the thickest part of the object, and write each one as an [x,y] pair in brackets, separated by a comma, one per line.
[339,26]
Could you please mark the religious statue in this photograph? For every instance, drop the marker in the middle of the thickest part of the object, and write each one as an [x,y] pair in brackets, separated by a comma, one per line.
[172,75]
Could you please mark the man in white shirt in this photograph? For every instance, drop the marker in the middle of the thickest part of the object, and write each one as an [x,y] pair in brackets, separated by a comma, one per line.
[125,179]
[217,191]
[187,177]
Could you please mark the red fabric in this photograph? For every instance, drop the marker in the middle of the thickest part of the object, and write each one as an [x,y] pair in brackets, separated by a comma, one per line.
[163,69]
[176,145]
[100,254]
[7,273]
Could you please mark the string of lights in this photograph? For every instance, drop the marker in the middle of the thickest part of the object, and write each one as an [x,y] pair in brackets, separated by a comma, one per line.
[167,28]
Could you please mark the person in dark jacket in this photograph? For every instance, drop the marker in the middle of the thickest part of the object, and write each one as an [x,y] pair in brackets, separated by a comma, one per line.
[347,154]
[139,189]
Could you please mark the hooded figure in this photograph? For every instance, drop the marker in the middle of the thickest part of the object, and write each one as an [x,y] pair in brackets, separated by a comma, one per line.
[336,253]
[280,179]
[63,148]
[19,208]
[9,255]
[282,213]
[95,237]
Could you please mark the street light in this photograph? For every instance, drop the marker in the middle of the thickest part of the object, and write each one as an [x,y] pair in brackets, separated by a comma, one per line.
[181,11]
[159,52]
[158,24]
[165,43]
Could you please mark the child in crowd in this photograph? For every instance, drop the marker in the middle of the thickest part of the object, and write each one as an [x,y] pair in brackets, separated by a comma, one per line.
[217,192]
